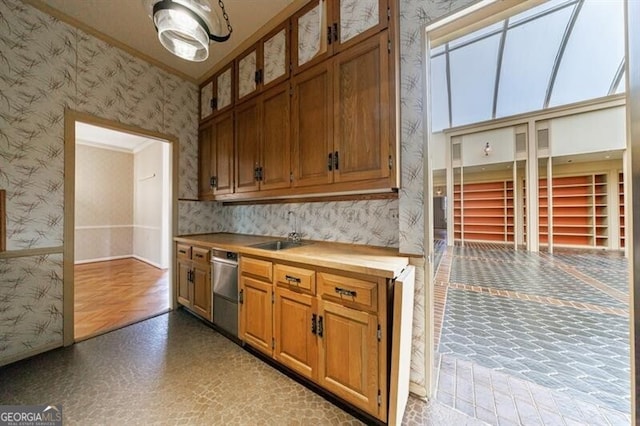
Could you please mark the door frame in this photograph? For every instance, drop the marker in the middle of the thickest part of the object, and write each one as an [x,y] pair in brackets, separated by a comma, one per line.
[474,17]
[71,117]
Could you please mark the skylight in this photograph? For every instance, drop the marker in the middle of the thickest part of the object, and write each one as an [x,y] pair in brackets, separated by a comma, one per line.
[560,52]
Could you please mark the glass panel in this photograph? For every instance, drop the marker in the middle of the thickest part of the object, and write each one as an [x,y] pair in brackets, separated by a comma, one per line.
[357,16]
[246,74]
[472,92]
[310,37]
[275,56]
[476,34]
[437,50]
[529,53]
[593,53]
[539,9]
[439,98]
[205,100]
[224,89]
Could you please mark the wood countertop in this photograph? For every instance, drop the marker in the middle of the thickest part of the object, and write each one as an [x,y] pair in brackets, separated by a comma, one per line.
[376,261]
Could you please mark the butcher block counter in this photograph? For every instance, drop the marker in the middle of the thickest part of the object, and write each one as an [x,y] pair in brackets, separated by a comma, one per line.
[335,315]
[376,261]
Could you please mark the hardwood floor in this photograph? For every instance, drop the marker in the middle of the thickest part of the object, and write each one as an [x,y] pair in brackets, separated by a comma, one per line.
[116,293]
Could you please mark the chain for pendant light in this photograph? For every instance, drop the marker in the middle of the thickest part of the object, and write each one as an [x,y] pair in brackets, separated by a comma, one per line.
[225,16]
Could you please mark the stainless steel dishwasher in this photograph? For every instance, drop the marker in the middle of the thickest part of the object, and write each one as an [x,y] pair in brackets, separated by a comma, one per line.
[224,282]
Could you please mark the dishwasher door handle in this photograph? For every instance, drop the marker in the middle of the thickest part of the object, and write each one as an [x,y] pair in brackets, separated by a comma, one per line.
[225,261]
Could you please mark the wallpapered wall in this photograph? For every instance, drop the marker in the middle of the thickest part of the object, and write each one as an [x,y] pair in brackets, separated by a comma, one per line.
[104,203]
[46,65]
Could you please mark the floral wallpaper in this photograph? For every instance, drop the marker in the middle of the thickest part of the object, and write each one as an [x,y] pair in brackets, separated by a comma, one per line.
[247,67]
[224,88]
[45,67]
[309,33]
[414,16]
[275,56]
[357,16]
[30,304]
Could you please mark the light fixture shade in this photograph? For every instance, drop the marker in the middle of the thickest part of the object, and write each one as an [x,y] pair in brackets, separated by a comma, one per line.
[185,26]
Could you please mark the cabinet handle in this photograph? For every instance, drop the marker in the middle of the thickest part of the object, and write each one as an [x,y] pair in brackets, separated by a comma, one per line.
[241,297]
[182,251]
[292,279]
[214,103]
[345,292]
[213,181]
[199,256]
[330,162]
[320,330]
[189,276]
[256,77]
[335,31]
[335,161]
[314,324]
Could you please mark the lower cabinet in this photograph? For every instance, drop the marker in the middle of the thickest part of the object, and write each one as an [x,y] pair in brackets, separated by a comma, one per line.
[193,283]
[327,326]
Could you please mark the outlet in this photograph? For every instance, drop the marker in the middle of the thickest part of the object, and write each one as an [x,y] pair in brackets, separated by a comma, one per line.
[393,214]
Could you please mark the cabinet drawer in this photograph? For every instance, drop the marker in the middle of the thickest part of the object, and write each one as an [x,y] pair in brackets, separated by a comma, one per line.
[256,267]
[349,290]
[200,255]
[295,278]
[183,252]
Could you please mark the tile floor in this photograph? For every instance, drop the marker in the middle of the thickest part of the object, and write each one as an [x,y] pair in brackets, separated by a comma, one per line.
[531,338]
[173,369]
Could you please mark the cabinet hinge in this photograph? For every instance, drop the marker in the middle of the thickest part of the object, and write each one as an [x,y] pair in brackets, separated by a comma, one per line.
[388,13]
[389,46]
[390,163]
[379,333]
[379,398]
[290,88]
[291,177]
[273,346]
[273,297]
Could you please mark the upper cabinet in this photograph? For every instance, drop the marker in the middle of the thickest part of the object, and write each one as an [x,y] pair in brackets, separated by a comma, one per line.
[265,64]
[325,27]
[216,96]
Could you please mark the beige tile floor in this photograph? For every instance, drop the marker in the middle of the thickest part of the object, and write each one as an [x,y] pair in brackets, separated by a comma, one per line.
[173,369]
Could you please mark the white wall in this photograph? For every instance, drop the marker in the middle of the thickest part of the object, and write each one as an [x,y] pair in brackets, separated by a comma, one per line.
[502,142]
[438,151]
[596,131]
[149,204]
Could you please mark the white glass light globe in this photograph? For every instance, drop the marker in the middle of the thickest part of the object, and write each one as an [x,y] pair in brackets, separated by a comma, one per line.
[181,34]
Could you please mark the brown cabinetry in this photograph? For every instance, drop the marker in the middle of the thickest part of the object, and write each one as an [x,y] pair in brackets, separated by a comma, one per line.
[327,327]
[193,283]
[326,27]
[263,142]
[216,95]
[215,157]
[265,64]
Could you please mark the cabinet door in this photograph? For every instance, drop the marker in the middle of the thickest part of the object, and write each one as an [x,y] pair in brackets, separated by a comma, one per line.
[312,126]
[256,314]
[361,111]
[222,147]
[276,138]
[357,20]
[204,163]
[247,66]
[206,94]
[247,144]
[183,283]
[309,36]
[275,53]
[348,364]
[224,89]
[202,290]
[296,341]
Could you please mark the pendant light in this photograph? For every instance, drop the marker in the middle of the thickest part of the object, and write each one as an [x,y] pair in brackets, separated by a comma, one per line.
[185,27]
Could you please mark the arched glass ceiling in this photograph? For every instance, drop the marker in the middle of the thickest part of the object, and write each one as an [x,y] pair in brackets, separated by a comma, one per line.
[560,52]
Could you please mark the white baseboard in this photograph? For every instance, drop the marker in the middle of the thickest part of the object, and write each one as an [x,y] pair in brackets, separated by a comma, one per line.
[30,353]
[102,259]
[142,259]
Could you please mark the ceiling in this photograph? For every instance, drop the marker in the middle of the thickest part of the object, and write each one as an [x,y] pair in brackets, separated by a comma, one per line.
[87,134]
[128,22]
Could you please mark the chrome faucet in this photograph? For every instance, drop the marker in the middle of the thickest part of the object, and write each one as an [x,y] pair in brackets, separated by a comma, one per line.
[294,236]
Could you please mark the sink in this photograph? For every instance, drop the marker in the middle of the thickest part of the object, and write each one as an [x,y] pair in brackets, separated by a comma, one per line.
[278,245]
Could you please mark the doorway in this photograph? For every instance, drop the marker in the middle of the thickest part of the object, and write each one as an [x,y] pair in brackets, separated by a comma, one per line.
[120,218]
[535,314]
